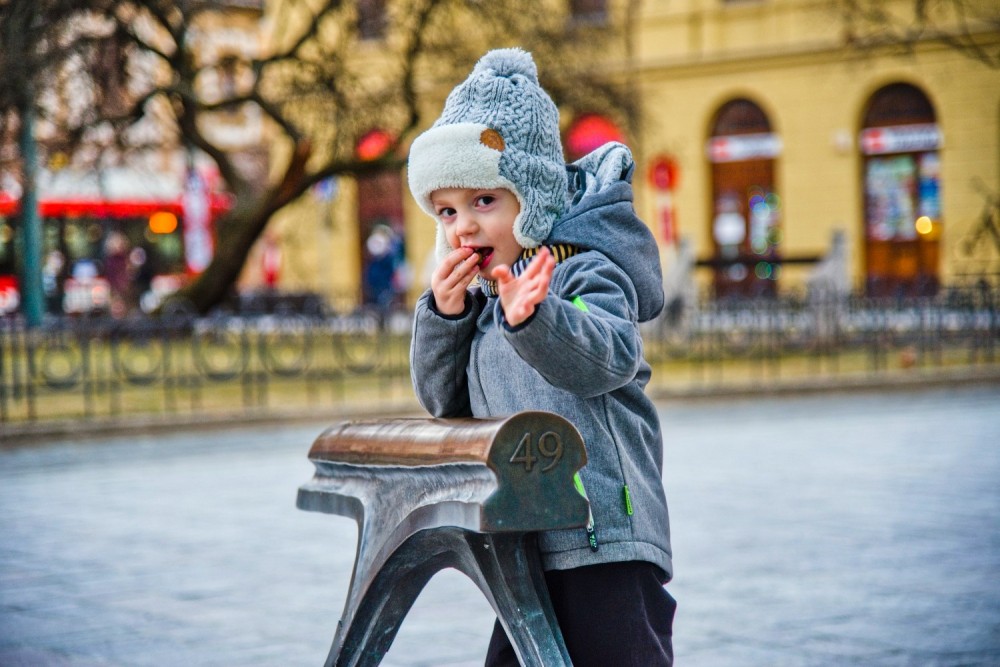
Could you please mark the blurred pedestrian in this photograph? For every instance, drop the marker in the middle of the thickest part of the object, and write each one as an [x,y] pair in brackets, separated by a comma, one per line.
[271,261]
[380,267]
[117,271]
[52,276]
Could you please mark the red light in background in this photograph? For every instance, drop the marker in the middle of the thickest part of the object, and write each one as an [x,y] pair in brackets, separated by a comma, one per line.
[374,144]
[590,131]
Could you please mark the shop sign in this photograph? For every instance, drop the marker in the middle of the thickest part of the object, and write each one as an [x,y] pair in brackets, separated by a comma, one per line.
[900,139]
[664,173]
[10,298]
[740,147]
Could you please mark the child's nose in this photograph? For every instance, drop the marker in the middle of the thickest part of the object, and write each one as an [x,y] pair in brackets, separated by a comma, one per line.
[467,224]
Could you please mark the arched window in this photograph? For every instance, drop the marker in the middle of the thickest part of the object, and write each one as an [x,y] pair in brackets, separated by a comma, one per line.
[745,216]
[899,141]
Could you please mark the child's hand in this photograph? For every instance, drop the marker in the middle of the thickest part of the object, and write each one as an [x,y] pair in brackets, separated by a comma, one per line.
[521,295]
[451,278]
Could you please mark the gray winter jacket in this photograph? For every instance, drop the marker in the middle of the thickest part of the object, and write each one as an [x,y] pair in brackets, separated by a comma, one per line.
[583,361]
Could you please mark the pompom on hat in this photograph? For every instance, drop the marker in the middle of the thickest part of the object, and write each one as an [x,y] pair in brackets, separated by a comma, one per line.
[498,129]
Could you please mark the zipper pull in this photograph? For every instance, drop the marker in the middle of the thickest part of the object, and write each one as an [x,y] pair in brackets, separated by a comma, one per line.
[591,533]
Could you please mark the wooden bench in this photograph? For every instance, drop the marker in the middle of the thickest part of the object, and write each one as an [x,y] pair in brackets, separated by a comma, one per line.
[429,494]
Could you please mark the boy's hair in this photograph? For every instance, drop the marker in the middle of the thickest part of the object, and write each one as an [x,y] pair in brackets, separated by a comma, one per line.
[498,129]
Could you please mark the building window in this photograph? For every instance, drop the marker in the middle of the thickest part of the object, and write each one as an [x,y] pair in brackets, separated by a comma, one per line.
[899,142]
[371,19]
[589,11]
[745,214]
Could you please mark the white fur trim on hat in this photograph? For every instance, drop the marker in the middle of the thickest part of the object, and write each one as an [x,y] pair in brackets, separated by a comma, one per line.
[455,156]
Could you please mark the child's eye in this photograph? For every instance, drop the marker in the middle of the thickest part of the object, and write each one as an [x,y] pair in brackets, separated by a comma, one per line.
[446,212]
[486,200]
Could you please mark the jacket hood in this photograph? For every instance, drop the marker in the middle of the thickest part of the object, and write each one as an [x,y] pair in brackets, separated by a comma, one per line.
[600,216]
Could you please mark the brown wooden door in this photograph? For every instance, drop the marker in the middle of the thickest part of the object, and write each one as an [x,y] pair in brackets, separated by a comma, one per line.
[745,211]
[902,216]
[745,207]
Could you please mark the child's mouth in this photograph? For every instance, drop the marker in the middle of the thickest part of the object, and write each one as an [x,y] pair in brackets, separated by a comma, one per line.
[485,255]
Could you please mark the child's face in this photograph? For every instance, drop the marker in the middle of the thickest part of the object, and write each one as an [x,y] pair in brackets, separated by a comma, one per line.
[482,220]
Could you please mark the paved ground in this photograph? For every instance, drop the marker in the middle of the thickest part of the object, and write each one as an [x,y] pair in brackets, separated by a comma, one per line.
[827,530]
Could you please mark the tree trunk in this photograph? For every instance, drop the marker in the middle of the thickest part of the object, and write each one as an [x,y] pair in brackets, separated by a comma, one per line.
[236,232]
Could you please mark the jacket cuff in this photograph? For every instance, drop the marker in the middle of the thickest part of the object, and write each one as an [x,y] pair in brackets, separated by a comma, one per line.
[432,305]
[522,325]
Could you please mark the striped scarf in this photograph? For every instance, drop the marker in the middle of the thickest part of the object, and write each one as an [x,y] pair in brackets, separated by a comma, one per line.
[560,251]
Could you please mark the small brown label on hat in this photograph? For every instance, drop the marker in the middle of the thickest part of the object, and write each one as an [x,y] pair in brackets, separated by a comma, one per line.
[492,139]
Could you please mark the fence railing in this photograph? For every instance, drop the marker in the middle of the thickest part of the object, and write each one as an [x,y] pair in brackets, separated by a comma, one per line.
[109,368]
[326,365]
[802,339]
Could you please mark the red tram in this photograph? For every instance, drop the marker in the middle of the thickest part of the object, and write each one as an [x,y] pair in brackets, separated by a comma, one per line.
[111,256]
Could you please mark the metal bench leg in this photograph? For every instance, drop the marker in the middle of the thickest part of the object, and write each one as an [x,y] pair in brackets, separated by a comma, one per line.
[509,572]
[372,623]
[505,567]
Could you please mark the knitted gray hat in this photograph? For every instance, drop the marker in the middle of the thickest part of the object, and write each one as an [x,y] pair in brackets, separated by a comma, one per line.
[498,129]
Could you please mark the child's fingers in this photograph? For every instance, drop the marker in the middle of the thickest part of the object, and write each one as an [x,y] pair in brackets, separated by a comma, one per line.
[457,266]
[456,258]
[542,276]
[451,278]
[535,294]
[546,269]
[450,281]
[521,295]
[502,274]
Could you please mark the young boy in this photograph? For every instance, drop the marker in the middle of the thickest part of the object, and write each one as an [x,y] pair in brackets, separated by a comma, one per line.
[565,271]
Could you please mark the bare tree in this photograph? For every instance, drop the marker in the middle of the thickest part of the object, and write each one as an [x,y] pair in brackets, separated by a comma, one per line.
[969,26]
[105,71]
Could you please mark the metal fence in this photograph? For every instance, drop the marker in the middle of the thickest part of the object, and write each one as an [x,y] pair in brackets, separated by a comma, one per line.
[94,369]
[804,339]
[101,368]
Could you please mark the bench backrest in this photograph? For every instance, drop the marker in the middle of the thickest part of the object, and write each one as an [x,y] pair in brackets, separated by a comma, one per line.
[533,456]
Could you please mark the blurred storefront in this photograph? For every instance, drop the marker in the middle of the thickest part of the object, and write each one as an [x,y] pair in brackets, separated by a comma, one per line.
[765,134]
[788,134]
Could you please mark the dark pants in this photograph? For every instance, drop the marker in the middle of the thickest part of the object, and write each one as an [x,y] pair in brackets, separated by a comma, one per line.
[612,614]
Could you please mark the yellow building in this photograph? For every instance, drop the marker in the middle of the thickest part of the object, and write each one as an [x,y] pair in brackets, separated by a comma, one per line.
[765,134]
[784,135]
